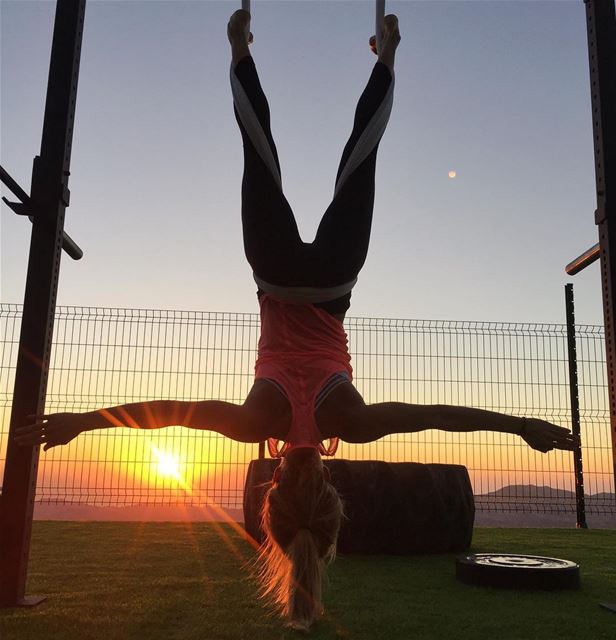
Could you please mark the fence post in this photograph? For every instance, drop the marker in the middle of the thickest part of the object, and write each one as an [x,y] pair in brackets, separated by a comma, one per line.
[575,408]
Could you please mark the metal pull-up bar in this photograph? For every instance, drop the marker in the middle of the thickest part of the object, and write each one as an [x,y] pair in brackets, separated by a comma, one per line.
[24,208]
[378,29]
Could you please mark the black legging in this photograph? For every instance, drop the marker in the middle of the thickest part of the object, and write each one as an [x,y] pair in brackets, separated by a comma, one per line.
[272,242]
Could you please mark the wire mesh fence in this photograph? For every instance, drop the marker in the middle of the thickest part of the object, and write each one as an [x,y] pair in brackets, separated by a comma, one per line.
[107,356]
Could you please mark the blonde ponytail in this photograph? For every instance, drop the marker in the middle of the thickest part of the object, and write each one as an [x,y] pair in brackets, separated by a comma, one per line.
[300,519]
[307,569]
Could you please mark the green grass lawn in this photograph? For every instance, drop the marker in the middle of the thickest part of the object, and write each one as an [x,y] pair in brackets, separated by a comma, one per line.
[151,581]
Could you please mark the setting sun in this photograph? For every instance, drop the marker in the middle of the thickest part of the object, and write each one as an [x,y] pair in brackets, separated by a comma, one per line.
[168,465]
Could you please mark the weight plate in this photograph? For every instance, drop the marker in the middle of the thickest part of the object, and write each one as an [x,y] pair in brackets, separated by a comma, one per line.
[514,571]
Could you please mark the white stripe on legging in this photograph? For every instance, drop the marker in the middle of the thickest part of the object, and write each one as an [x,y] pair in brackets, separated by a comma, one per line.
[362,149]
[369,137]
[253,127]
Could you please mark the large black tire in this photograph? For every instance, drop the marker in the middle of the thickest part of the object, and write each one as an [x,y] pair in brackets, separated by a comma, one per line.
[514,571]
[397,508]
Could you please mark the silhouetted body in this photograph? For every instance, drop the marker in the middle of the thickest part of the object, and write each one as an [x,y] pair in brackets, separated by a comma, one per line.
[303,348]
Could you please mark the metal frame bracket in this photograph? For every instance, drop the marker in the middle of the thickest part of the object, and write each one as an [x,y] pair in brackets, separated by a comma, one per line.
[25,206]
[19,208]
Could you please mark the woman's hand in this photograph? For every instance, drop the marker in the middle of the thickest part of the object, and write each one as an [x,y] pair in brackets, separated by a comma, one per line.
[51,430]
[545,436]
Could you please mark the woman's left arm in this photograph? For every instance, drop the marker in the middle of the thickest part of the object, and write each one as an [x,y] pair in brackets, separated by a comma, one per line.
[365,423]
[539,434]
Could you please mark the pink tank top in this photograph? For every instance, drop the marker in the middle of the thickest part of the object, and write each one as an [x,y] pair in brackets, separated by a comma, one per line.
[300,347]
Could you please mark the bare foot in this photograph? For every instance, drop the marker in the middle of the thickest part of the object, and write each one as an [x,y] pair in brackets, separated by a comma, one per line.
[390,39]
[238,32]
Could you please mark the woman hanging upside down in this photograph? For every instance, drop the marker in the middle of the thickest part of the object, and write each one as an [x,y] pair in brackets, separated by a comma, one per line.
[302,394]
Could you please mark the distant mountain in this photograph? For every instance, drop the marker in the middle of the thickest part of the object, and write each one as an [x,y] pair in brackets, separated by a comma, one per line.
[528,491]
[534,492]
[602,497]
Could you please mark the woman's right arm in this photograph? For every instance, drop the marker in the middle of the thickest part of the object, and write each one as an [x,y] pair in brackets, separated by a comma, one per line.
[239,422]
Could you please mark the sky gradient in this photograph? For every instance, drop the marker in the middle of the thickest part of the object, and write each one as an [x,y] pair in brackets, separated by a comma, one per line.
[497,91]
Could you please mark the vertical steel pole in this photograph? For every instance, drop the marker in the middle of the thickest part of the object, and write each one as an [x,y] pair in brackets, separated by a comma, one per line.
[261,450]
[601,28]
[379,7]
[575,408]
[49,197]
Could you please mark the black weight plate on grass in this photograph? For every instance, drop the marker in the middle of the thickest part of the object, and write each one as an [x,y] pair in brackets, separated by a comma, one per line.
[513,571]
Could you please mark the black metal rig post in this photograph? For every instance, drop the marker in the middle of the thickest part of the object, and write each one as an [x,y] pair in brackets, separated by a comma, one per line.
[601,28]
[575,408]
[49,197]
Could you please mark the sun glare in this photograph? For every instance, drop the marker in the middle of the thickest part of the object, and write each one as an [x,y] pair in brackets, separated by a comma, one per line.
[168,465]
[452,174]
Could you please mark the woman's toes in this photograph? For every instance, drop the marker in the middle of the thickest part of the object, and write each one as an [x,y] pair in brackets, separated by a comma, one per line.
[390,23]
[239,25]
[240,18]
